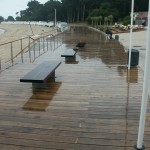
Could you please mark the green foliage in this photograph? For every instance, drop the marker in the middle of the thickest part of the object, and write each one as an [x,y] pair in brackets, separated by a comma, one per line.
[1,19]
[10,18]
[80,10]
[126,20]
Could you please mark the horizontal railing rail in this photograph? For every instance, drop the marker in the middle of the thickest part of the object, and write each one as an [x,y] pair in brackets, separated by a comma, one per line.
[27,49]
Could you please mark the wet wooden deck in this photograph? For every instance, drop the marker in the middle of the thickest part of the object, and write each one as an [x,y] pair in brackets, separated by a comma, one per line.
[94,104]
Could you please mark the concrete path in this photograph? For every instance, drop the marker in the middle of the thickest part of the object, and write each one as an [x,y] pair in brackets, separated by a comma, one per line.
[138,42]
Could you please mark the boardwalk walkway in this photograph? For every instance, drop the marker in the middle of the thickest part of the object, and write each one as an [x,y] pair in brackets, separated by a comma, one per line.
[94,104]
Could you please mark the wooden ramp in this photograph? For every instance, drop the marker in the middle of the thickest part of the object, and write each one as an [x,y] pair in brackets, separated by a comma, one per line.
[92,105]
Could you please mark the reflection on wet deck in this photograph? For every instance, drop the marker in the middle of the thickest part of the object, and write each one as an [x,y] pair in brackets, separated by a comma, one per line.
[93,104]
[41,98]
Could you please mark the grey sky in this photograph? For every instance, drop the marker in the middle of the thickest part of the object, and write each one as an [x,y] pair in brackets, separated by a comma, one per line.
[10,7]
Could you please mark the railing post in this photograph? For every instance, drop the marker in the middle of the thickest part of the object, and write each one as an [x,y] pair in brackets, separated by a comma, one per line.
[29,50]
[21,52]
[43,44]
[39,45]
[54,42]
[34,49]
[57,41]
[41,37]
[61,40]
[51,44]
[47,41]
[0,64]
[12,54]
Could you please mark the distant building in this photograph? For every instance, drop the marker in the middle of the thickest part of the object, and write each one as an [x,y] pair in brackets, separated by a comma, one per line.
[141,18]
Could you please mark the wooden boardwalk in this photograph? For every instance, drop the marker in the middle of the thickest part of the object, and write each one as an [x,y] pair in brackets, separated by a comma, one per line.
[94,103]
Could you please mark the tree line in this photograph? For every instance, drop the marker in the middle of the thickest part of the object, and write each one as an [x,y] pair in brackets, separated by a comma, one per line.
[101,11]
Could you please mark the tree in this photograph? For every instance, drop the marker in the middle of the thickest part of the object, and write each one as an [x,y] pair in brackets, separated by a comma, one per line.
[1,19]
[92,19]
[110,19]
[10,18]
[32,10]
[80,10]
[106,20]
[17,13]
[50,7]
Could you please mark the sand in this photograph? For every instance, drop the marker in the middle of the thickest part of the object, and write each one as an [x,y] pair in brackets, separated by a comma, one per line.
[138,39]
[14,32]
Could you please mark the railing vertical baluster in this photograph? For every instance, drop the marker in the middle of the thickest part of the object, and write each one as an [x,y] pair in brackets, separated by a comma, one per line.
[51,43]
[21,52]
[41,37]
[29,51]
[39,45]
[12,61]
[47,41]
[34,48]
[61,40]
[57,41]
[54,42]
[0,64]
[43,44]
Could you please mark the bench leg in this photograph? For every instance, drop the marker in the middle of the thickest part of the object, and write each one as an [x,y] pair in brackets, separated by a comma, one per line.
[69,59]
[39,85]
[45,84]
[51,78]
[52,75]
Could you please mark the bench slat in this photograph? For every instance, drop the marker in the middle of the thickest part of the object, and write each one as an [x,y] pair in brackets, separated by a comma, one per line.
[41,73]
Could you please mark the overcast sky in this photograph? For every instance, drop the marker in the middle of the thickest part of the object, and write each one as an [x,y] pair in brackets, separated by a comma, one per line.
[10,7]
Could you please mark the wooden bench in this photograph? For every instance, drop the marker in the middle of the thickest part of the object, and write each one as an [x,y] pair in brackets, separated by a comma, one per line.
[40,75]
[70,55]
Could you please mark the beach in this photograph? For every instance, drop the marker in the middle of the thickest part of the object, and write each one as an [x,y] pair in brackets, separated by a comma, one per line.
[14,32]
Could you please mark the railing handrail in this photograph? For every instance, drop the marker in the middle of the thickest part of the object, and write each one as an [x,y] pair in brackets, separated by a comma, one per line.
[13,41]
[26,37]
[10,60]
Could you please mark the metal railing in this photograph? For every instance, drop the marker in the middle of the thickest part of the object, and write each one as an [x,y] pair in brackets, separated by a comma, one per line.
[27,49]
